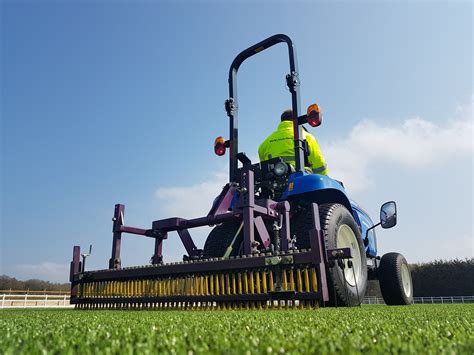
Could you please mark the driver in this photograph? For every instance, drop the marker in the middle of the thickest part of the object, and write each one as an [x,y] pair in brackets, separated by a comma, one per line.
[281,144]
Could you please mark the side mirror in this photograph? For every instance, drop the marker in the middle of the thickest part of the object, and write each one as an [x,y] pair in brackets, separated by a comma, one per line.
[388,214]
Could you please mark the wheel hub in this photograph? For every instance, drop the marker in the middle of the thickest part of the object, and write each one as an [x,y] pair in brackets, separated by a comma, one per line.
[347,239]
[406,280]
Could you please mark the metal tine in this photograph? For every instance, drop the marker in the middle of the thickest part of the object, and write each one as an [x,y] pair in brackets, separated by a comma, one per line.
[264,281]
[299,280]
[234,285]
[257,281]
[306,280]
[251,283]
[222,284]
[246,283]
[239,283]
[284,280]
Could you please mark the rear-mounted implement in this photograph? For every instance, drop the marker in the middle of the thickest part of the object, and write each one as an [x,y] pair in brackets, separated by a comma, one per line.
[261,277]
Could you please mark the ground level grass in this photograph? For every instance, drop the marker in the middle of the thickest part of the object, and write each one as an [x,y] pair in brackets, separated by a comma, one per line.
[420,329]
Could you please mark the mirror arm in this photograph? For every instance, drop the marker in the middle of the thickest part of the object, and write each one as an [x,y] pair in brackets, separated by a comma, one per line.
[366,239]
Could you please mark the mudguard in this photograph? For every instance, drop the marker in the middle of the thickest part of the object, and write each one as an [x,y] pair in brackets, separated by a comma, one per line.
[321,189]
[365,222]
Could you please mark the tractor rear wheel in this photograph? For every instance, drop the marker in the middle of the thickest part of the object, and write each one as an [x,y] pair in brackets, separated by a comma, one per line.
[347,285]
[395,279]
[220,238]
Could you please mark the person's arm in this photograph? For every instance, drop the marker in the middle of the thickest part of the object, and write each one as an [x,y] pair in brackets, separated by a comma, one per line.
[316,159]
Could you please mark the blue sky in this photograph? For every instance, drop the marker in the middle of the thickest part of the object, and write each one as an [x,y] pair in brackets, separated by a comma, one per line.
[105,102]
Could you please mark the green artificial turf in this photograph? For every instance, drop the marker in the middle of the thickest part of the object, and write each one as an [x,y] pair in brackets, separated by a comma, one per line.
[417,329]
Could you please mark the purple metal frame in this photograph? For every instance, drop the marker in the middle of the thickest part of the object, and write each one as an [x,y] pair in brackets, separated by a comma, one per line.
[247,208]
[253,212]
[75,270]
[256,211]
[318,246]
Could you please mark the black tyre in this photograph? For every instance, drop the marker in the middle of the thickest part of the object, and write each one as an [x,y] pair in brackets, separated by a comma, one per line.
[346,286]
[220,238]
[395,279]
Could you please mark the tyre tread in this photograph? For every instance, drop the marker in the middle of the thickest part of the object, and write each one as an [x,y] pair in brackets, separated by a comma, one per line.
[219,239]
[389,273]
[303,224]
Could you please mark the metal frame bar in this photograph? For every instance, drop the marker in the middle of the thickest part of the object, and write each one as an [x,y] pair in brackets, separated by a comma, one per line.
[118,220]
[232,107]
[75,269]
[191,249]
[318,257]
[248,206]
[157,257]
[189,267]
[224,200]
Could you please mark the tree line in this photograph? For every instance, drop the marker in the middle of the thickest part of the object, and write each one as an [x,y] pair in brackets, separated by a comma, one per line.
[443,278]
[11,283]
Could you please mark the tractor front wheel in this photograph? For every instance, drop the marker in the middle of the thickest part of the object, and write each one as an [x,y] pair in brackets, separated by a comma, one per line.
[395,279]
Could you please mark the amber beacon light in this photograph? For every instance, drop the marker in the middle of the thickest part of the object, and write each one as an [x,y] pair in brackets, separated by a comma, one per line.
[219,146]
[314,115]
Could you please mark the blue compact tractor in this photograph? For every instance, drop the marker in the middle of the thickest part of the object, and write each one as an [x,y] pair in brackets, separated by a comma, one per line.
[281,237]
[344,224]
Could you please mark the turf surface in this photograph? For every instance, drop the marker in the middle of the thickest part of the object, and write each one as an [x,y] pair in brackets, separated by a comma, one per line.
[426,329]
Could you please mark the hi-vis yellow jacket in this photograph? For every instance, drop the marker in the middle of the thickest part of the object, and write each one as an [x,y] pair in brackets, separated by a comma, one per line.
[281,144]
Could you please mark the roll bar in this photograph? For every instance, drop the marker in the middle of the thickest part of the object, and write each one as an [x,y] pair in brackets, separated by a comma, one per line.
[231,106]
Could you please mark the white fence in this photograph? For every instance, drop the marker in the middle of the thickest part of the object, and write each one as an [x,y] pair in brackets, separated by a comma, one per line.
[34,300]
[426,300]
[42,300]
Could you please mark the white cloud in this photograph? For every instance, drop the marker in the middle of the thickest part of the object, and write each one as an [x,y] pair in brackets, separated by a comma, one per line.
[45,271]
[191,201]
[415,143]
